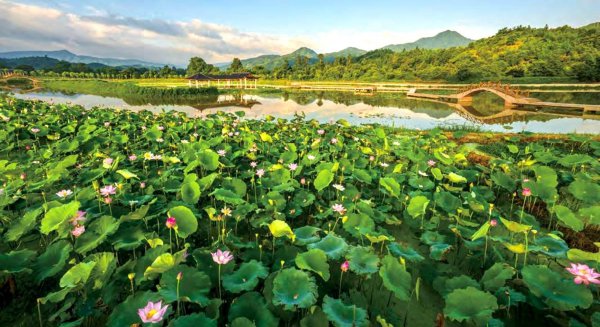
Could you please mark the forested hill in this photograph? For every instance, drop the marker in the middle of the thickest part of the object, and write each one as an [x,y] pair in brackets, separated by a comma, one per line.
[513,52]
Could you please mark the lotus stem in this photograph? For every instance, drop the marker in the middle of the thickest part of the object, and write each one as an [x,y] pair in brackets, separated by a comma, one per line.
[178,303]
[220,297]
[39,312]
[340,288]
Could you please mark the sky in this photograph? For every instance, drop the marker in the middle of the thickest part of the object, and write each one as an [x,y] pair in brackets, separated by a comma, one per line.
[172,31]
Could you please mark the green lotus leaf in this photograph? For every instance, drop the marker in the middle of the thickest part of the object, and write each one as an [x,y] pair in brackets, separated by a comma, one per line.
[193,320]
[125,313]
[573,160]
[76,275]
[568,218]
[103,269]
[456,178]
[253,307]
[209,159]
[496,276]
[457,282]
[96,233]
[314,260]
[19,227]
[580,255]
[390,185]
[227,196]
[235,185]
[193,287]
[555,291]
[187,223]
[509,297]
[16,261]
[395,277]
[127,174]
[405,251]
[438,250]
[447,201]
[333,246]
[514,226]
[293,287]
[316,318]
[481,232]
[242,322]
[550,245]
[505,181]
[306,235]
[164,262]
[57,217]
[362,260]
[590,215]
[546,192]
[280,228]
[358,224]
[471,305]
[342,315]
[323,179]
[431,238]
[417,206]
[362,176]
[546,176]
[52,260]
[190,190]
[246,277]
[596,319]
[437,173]
[585,191]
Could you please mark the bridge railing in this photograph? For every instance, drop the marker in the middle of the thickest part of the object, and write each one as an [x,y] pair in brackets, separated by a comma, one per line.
[498,86]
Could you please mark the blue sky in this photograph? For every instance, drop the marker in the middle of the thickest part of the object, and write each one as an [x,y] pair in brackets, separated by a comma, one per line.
[172,31]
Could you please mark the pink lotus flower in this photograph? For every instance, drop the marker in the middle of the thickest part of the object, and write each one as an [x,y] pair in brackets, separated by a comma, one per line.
[321,132]
[23,176]
[108,190]
[153,312]
[303,181]
[584,274]
[253,164]
[132,157]
[345,266]
[108,200]
[526,191]
[179,276]
[293,166]
[27,147]
[142,184]
[64,193]
[311,157]
[222,153]
[371,158]
[108,161]
[35,130]
[493,222]
[334,140]
[79,217]
[260,173]
[222,257]
[338,208]
[431,163]
[106,124]
[171,222]
[161,128]
[384,165]
[78,230]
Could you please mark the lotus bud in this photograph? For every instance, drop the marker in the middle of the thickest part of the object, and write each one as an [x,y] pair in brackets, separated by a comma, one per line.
[282,262]
[131,276]
[179,276]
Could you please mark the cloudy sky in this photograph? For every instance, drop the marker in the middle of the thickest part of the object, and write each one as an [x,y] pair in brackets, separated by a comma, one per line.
[172,31]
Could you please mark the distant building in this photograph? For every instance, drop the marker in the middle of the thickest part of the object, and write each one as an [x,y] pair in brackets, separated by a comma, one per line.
[235,80]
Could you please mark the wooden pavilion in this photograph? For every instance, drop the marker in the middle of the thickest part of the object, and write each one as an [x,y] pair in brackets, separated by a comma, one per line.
[235,80]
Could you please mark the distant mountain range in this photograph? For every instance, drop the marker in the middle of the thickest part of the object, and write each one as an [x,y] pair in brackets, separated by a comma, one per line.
[442,40]
[74,58]
[446,39]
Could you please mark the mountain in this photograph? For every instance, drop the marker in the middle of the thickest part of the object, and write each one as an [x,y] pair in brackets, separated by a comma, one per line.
[74,58]
[443,40]
[350,51]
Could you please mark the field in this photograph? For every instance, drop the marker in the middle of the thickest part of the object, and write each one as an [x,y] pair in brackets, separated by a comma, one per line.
[226,220]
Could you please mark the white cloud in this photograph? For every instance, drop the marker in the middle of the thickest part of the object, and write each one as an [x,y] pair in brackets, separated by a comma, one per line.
[99,33]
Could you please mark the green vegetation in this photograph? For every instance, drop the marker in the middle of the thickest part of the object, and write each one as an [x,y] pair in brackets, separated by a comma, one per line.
[130,92]
[223,220]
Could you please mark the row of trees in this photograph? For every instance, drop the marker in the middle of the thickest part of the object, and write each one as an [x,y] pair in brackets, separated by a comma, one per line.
[565,52]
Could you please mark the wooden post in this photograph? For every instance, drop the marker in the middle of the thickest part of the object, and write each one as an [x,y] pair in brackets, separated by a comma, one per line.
[189,82]
[196,83]
[255,83]
[245,83]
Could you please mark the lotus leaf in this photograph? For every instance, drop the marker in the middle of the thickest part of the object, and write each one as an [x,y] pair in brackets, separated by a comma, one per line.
[193,287]
[395,277]
[417,206]
[52,260]
[333,246]
[193,320]
[246,277]
[470,304]
[405,251]
[314,260]
[292,287]
[253,307]
[16,261]
[187,223]
[362,260]
[555,291]
[323,179]
[342,315]
[306,235]
[496,276]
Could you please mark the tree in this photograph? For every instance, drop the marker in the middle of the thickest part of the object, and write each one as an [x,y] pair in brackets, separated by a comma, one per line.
[236,66]
[197,65]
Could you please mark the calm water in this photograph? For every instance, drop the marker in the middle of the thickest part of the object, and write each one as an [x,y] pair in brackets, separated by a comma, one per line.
[389,109]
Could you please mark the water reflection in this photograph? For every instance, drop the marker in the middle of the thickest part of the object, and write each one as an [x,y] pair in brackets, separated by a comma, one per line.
[389,109]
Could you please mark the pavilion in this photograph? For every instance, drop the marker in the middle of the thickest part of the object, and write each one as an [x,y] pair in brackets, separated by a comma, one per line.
[235,80]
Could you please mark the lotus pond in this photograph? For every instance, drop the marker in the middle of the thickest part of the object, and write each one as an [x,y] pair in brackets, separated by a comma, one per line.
[120,218]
